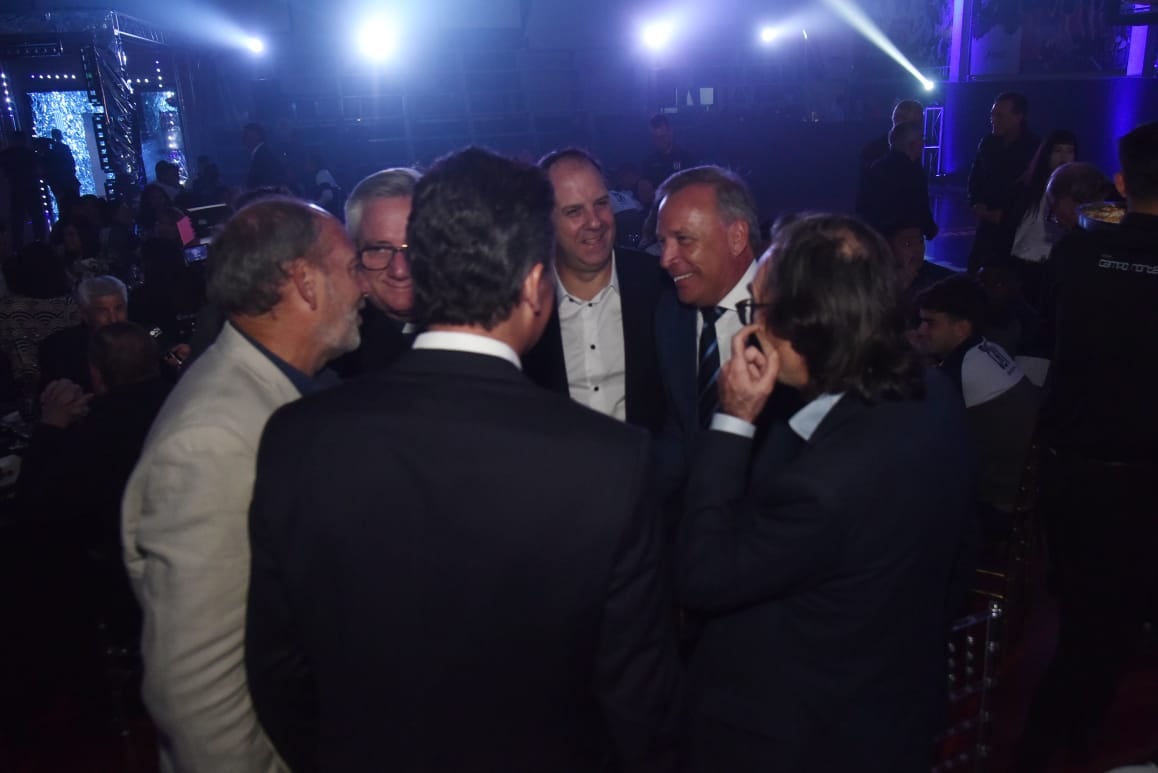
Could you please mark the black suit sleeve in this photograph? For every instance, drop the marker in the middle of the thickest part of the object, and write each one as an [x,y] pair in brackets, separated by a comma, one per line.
[638,670]
[280,680]
[738,547]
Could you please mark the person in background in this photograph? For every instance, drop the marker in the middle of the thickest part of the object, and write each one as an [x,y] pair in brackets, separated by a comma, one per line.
[896,188]
[60,173]
[668,157]
[1002,157]
[168,179]
[905,111]
[1035,235]
[1072,185]
[914,273]
[103,300]
[265,168]
[323,188]
[1100,432]
[21,169]
[1012,323]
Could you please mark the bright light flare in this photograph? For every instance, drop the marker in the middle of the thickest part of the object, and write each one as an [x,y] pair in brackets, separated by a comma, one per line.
[658,34]
[847,10]
[377,39]
[255,45]
[768,34]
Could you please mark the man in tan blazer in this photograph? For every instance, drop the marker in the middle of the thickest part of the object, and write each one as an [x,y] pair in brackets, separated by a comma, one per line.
[285,273]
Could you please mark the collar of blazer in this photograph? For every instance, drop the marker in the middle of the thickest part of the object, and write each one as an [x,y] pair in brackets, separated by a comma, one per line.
[233,347]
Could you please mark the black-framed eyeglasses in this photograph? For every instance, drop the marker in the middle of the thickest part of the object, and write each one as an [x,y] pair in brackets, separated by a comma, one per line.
[379,257]
[746,310]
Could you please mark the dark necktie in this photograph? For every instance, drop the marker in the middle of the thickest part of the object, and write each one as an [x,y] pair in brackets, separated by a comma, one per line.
[709,366]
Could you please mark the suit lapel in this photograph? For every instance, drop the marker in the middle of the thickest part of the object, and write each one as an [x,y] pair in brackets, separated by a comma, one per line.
[546,364]
[676,338]
[638,286]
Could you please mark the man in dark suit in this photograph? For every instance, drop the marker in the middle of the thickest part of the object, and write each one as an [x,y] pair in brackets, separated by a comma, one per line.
[896,189]
[906,111]
[265,168]
[827,574]
[502,613]
[710,236]
[599,344]
[103,300]
[376,214]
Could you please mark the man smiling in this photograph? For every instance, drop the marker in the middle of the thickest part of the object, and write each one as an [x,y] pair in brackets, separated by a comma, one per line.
[599,344]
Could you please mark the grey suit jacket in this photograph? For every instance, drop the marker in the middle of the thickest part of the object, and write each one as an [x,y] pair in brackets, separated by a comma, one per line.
[186,544]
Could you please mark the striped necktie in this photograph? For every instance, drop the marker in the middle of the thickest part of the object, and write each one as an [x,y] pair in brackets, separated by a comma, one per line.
[709,366]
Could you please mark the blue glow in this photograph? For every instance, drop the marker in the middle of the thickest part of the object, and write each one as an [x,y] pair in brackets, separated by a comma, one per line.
[69,111]
[161,136]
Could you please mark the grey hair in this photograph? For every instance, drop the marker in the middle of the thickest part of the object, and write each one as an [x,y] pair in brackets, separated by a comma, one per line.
[99,287]
[733,199]
[388,184]
[249,261]
[1084,183]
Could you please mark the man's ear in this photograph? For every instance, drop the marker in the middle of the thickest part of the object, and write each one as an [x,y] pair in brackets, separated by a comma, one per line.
[1120,184]
[305,280]
[737,236]
[534,294]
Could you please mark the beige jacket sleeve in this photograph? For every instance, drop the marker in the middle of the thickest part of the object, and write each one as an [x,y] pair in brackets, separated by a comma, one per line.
[186,515]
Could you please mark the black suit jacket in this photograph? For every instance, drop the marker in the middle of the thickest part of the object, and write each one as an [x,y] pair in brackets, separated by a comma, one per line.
[827,581]
[265,169]
[895,192]
[454,569]
[640,279]
[383,342]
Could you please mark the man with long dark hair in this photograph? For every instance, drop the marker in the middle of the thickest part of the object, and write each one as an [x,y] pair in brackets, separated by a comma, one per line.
[825,556]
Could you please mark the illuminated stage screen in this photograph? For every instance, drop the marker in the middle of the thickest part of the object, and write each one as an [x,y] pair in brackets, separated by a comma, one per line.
[161,138]
[71,112]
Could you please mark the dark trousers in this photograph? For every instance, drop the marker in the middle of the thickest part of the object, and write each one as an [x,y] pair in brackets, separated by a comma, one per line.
[1101,532]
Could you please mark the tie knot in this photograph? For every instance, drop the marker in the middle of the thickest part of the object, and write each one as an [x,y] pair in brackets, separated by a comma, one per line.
[711,314]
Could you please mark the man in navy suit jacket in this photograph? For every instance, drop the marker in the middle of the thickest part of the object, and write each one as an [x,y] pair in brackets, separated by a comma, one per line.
[827,574]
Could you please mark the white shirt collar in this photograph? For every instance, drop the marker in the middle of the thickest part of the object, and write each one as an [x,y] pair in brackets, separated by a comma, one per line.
[561,291]
[455,341]
[805,421]
[256,148]
[740,292]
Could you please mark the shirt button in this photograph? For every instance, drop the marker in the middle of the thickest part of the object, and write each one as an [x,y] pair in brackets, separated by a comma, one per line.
[592,346]
[591,305]
[596,389]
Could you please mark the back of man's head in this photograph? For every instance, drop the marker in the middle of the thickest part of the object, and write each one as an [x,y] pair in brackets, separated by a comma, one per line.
[908,111]
[479,223]
[833,286]
[123,353]
[249,261]
[1138,157]
[959,297]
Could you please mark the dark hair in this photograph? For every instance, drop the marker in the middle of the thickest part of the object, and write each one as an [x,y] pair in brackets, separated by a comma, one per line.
[1138,156]
[569,154]
[658,121]
[124,353]
[833,287]
[904,133]
[733,198]
[479,223]
[1037,175]
[249,260]
[1016,100]
[961,297]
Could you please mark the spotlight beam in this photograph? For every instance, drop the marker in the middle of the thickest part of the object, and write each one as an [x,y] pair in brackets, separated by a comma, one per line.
[857,19]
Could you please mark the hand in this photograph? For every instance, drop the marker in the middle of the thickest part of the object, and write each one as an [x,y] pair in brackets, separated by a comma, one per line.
[747,380]
[178,355]
[62,403]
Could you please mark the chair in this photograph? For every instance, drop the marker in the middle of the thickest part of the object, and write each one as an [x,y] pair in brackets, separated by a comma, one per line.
[973,652]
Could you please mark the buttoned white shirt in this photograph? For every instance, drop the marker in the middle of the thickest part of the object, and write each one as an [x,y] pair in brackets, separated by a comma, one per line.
[593,347]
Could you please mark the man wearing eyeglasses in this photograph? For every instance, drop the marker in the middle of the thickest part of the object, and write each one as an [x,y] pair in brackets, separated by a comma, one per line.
[376,215]
[599,343]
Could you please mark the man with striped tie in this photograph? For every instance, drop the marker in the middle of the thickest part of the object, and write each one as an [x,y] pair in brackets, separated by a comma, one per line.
[710,237]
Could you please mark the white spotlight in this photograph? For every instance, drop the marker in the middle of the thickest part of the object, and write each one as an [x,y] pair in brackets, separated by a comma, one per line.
[769,34]
[376,39]
[255,45]
[657,34]
[804,33]
[929,85]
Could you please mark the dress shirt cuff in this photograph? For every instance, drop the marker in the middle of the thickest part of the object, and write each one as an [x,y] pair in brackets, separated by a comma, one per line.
[730,424]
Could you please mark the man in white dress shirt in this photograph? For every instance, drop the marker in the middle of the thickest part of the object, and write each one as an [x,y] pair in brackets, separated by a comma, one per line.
[599,345]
